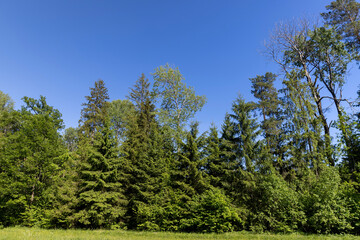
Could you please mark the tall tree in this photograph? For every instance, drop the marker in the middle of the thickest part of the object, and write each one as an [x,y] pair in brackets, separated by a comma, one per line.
[344,16]
[101,203]
[30,157]
[94,112]
[269,106]
[305,143]
[144,152]
[289,47]
[246,132]
[241,149]
[330,60]
[178,102]
[320,57]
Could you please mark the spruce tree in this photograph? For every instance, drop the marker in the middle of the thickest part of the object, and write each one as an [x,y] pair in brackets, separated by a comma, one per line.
[215,167]
[101,203]
[144,153]
[241,150]
[94,112]
[188,175]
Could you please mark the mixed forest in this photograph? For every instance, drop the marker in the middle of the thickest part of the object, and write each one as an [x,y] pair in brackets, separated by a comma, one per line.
[278,164]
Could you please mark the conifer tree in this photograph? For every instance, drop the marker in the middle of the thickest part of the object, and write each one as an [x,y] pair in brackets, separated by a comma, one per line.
[269,105]
[215,167]
[344,16]
[188,175]
[101,203]
[246,132]
[94,112]
[145,156]
[242,149]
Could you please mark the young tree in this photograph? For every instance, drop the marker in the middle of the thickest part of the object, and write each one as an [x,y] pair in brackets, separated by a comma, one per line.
[246,131]
[241,150]
[188,174]
[215,167]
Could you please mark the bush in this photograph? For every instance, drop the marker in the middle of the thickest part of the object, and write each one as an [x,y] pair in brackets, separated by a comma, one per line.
[211,212]
[275,206]
[325,204]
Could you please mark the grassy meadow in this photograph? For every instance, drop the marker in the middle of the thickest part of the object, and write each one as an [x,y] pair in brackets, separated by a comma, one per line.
[42,234]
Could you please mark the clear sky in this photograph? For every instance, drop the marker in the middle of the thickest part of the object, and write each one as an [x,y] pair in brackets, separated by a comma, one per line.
[60,48]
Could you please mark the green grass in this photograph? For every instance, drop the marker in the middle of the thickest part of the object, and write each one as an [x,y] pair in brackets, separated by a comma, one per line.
[42,234]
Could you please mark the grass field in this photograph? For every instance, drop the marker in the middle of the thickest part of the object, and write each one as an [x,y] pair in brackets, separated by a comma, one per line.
[41,234]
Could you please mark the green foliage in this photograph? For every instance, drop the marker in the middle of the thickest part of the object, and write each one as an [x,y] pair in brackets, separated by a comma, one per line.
[211,212]
[100,199]
[268,104]
[275,206]
[131,165]
[145,157]
[30,157]
[304,141]
[94,113]
[121,112]
[187,175]
[71,138]
[343,15]
[178,102]
[325,204]
[6,103]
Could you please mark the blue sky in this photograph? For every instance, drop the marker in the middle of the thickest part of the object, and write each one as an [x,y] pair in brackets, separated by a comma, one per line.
[60,48]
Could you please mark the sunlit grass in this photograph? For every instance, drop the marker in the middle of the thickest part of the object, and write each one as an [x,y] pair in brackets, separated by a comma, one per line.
[42,234]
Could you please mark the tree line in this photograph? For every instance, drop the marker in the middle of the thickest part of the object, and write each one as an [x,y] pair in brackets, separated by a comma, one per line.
[141,163]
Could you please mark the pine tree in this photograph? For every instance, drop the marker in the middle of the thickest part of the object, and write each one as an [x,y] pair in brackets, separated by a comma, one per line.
[344,16]
[269,106]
